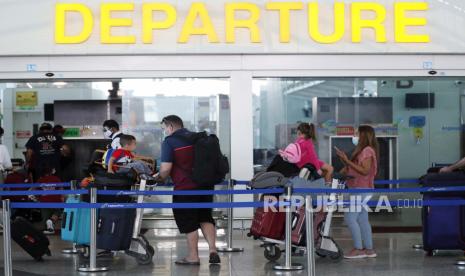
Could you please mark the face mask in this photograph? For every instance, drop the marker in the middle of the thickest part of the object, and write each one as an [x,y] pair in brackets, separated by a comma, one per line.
[355,140]
[107,134]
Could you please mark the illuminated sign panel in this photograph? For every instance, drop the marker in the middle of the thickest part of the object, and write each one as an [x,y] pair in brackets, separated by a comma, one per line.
[347,20]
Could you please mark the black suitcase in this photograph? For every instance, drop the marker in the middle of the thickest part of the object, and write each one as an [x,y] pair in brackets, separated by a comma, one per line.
[33,241]
[115,228]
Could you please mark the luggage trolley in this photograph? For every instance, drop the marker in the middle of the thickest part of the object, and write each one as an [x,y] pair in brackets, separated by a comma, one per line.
[325,245]
[139,248]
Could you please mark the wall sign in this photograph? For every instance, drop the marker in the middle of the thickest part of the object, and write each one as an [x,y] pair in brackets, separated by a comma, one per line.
[26,100]
[90,27]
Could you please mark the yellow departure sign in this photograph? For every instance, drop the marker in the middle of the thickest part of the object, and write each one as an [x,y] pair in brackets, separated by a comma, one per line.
[407,27]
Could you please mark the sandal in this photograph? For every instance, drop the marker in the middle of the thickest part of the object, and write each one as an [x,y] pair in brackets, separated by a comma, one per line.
[186,262]
[214,258]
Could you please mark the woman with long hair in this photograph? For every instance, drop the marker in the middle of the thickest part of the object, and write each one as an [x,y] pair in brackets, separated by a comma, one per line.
[362,166]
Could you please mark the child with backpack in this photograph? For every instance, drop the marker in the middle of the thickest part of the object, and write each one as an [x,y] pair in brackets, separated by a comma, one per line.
[302,151]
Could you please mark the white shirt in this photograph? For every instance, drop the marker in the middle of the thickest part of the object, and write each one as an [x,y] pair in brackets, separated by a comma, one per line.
[5,160]
[115,143]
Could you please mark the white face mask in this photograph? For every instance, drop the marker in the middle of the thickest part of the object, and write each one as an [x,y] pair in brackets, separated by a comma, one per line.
[355,140]
[107,134]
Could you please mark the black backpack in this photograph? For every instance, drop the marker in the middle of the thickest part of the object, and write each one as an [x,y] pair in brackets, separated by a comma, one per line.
[210,165]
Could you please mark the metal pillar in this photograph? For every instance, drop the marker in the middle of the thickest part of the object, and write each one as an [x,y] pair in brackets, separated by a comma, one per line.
[92,267]
[309,236]
[229,241]
[288,266]
[6,212]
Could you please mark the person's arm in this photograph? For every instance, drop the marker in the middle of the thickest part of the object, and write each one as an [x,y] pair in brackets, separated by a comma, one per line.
[6,162]
[363,169]
[165,171]
[110,165]
[456,166]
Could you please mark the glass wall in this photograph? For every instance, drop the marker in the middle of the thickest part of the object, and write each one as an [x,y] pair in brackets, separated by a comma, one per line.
[417,120]
[202,103]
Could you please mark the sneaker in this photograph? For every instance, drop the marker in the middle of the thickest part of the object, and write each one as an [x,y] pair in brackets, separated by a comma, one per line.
[356,254]
[49,232]
[371,253]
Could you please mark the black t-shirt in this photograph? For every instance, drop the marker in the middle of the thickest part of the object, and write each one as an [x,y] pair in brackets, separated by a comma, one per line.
[46,148]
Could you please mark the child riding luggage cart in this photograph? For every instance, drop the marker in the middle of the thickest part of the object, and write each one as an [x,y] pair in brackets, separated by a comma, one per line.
[117,229]
[272,236]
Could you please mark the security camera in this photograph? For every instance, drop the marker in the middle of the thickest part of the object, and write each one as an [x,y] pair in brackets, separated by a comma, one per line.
[49,74]
[458,82]
[383,82]
[432,72]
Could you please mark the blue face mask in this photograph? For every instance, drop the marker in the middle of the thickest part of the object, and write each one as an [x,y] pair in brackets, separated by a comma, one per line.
[355,140]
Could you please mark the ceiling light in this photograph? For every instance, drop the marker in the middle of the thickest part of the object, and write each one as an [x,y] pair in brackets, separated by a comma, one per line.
[60,83]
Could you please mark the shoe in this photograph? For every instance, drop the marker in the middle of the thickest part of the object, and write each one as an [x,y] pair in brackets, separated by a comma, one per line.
[49,232]
[214,258]
[186,262]
[371,253]
[356,254]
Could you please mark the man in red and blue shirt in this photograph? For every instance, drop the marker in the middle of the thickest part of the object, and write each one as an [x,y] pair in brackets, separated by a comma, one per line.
[177,161]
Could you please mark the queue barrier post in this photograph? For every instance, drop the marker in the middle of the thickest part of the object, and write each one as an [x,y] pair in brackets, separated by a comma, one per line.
[73,249]
[288,265]
[8,264]
[229,241]
[309,236]
[92,266]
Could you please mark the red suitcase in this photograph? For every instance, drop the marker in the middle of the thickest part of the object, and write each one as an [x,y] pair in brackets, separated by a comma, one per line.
[268,224]
[298,225]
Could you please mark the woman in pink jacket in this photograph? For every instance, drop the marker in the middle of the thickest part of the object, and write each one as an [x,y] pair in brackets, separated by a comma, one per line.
[306,136]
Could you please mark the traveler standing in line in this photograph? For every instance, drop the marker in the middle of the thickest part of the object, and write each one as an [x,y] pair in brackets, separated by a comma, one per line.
[363,167]
[44,152]
[111,131]
[177,160]
[5,159]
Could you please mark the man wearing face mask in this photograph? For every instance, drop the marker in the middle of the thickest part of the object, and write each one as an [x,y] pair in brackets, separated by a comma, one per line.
[177,161]
[111,131]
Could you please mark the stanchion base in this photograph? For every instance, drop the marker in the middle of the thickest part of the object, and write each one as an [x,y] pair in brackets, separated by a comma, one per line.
[230,250]
[86,268]
[417,246]
[460,263]
[289,268]
[69,251]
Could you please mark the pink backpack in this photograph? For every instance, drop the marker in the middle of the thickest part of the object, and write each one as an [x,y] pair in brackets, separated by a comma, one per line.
[292,153]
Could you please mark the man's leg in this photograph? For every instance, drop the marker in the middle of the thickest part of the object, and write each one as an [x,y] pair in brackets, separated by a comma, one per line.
[209,232]
[193,246]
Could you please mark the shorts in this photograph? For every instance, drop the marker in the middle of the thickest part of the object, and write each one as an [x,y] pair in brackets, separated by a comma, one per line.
[189,220]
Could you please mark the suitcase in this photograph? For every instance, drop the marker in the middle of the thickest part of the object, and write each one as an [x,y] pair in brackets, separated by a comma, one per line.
[33,241]
[106,181]
[268,224]
[115,228]
[443,226]
[76,223]
[298,234]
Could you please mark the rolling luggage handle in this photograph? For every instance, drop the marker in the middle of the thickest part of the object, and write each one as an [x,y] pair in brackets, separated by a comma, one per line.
[229,241]
[92,267]
[72,250]
[288,265]
[8,265]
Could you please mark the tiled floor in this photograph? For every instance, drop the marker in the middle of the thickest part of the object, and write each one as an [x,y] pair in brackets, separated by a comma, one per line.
[396,257]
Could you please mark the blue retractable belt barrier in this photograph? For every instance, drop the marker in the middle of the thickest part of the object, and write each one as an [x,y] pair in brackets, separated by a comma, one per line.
[35,185]
[400,203]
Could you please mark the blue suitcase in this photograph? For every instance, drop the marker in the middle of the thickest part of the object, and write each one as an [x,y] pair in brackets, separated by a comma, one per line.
[76,223]
[115,228]
[443,226]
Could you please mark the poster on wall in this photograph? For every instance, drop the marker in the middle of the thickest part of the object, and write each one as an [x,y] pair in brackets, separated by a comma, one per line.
[23,134]
[26,99]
